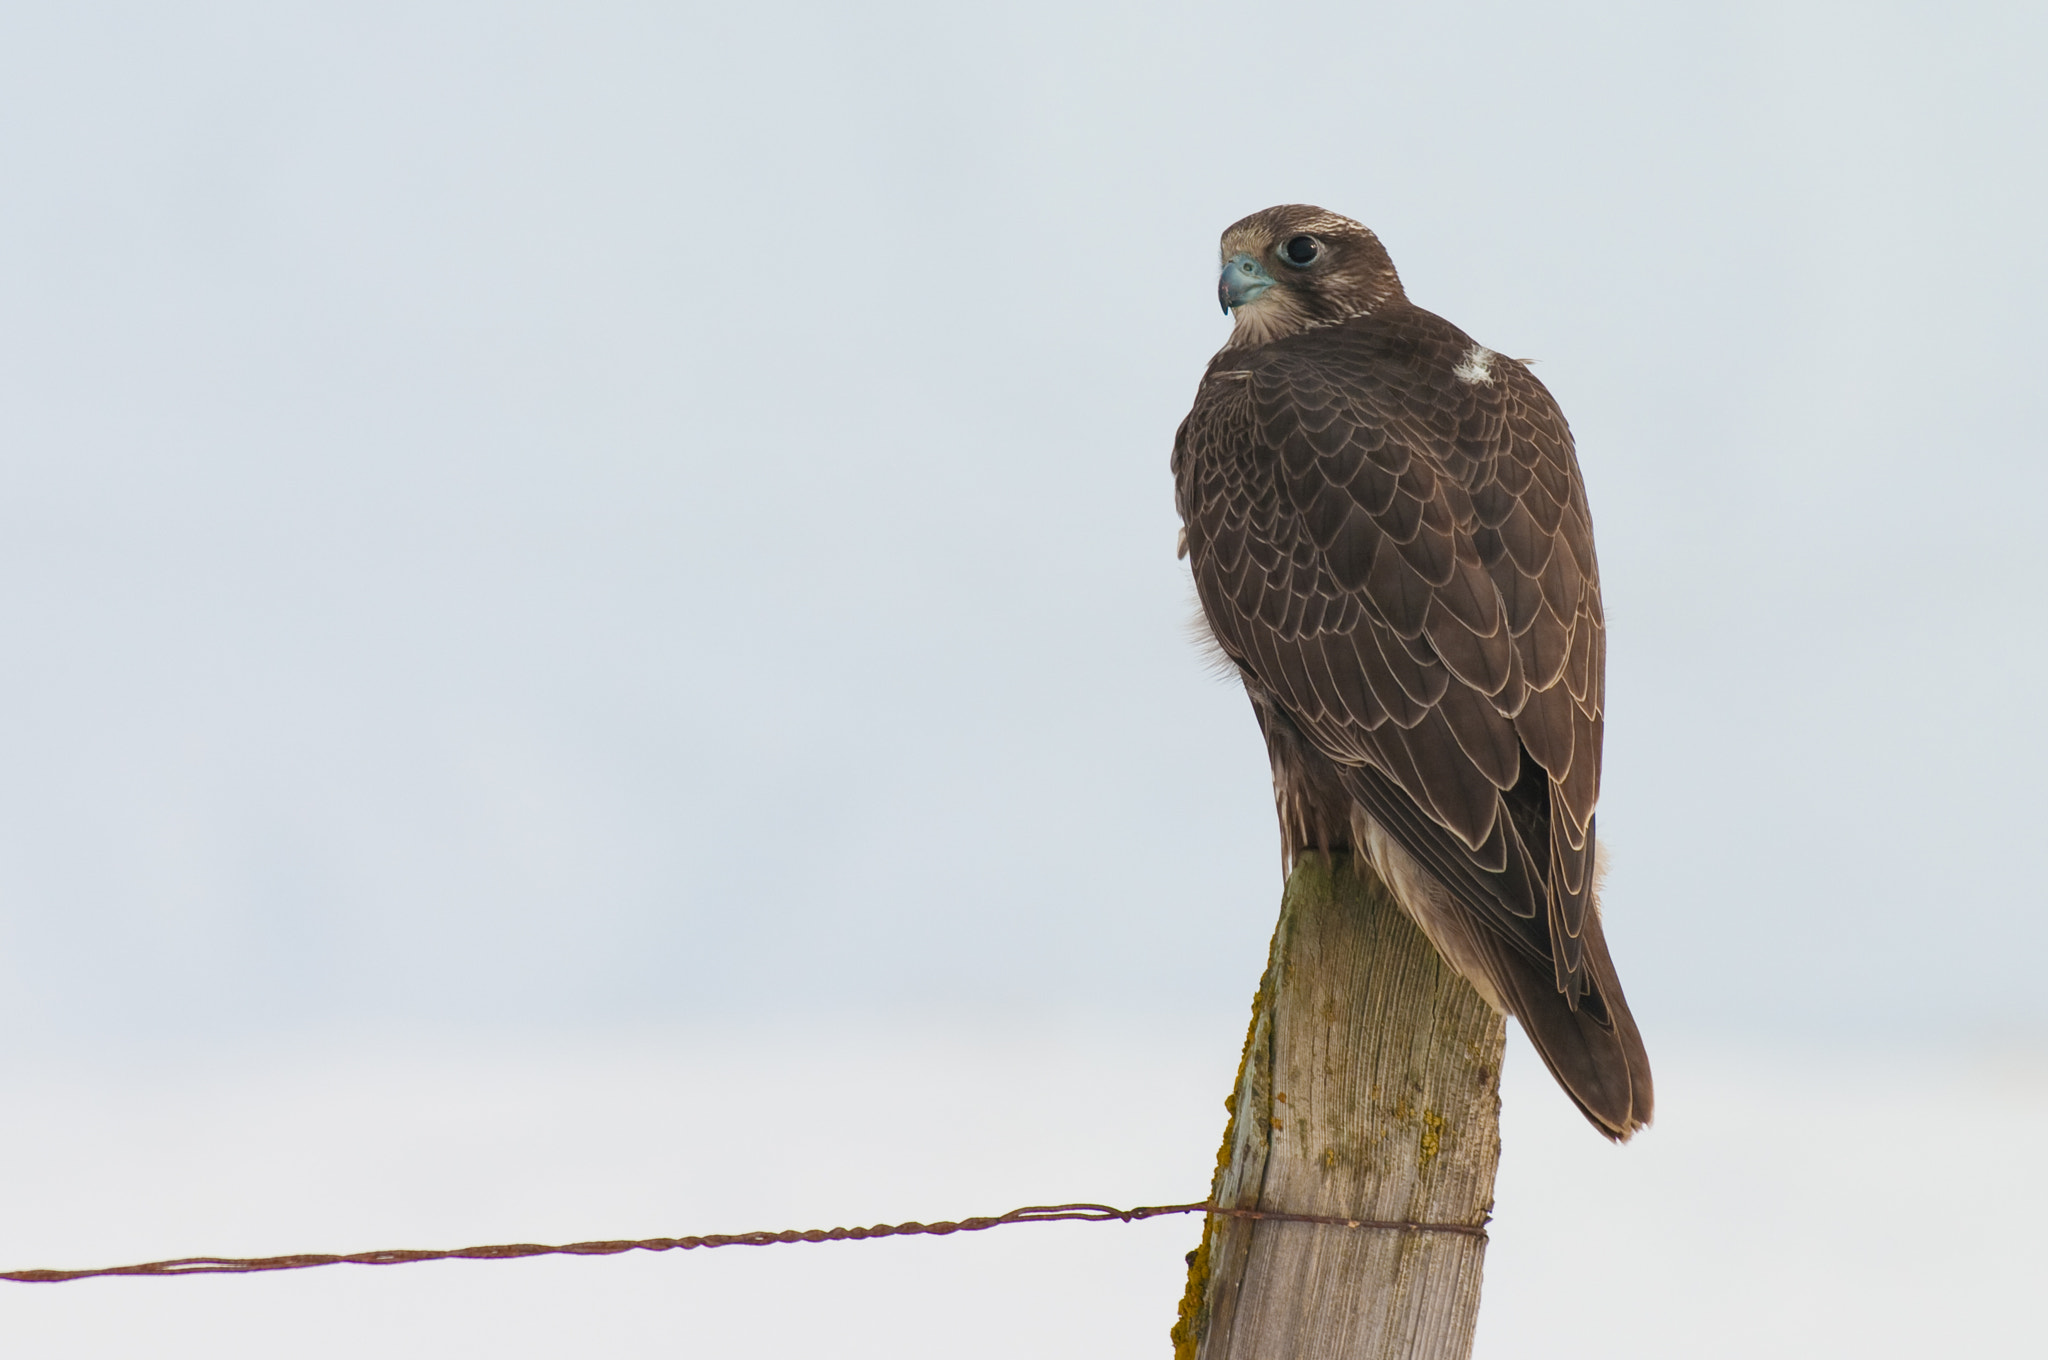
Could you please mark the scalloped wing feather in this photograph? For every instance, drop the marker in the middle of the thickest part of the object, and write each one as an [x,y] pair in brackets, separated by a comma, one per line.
[1401,560]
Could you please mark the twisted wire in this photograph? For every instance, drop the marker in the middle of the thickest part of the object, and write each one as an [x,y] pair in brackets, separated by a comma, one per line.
[1033,1213]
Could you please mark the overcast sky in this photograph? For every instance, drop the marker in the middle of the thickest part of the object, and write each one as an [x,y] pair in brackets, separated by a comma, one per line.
[624,513]
[590,645]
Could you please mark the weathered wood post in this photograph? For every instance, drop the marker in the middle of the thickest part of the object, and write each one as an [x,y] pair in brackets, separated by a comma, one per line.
[1370,1089]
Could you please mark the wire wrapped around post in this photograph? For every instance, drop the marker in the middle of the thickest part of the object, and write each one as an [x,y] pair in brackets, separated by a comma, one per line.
[1033,1213]
[1370,1088]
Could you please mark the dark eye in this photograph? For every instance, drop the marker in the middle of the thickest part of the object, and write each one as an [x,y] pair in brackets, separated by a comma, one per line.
[1301,251]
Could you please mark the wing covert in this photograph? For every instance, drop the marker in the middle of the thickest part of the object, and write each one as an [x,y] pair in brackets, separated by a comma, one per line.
[1401,558]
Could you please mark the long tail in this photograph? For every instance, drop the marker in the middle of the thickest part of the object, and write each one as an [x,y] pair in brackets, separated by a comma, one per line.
[1595,1051]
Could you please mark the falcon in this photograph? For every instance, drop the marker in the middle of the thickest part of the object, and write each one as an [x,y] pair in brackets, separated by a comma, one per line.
[1390,541]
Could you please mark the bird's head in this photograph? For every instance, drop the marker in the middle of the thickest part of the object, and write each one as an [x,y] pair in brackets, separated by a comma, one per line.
[1296,266]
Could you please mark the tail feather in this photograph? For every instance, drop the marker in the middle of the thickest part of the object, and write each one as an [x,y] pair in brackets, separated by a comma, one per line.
[1594,1050]
[1589,1041]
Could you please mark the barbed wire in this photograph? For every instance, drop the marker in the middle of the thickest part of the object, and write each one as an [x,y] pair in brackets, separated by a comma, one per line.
[1033,1213]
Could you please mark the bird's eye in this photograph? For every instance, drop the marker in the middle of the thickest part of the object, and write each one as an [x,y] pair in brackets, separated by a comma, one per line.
[1301,251]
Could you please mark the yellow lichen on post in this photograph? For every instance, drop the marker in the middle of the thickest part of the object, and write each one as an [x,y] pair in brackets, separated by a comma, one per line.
[1194,1316]
[1369,1089]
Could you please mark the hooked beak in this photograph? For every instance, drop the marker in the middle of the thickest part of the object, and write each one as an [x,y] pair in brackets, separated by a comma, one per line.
[1244,278]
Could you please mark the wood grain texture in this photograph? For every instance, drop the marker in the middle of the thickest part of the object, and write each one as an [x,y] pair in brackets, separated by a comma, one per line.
[1370,1088]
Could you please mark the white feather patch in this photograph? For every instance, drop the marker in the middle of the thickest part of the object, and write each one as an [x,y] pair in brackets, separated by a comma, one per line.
[1477,368]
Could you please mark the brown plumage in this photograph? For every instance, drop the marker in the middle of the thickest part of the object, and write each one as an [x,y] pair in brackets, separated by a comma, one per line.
[1390,540]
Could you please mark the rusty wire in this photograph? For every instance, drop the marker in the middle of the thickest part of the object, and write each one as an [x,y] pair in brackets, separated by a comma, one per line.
[1034,1213]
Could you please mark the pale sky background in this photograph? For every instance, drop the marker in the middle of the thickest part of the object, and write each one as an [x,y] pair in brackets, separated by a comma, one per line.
[608,530]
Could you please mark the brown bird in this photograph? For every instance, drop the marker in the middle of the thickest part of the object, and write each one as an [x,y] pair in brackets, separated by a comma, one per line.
[1390,540]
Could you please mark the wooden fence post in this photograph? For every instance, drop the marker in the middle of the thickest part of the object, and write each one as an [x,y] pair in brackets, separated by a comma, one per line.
[1370,1089]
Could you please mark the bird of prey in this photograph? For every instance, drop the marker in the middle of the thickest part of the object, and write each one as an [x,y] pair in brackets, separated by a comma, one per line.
[1389,537]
